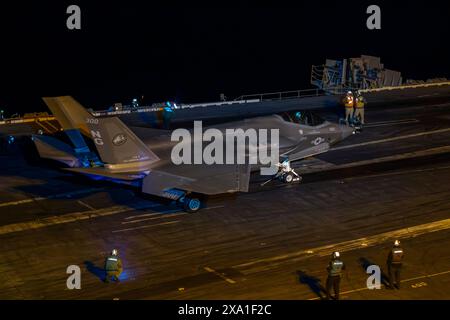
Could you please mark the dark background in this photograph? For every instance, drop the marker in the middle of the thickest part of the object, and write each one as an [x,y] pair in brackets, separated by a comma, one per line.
[191,52]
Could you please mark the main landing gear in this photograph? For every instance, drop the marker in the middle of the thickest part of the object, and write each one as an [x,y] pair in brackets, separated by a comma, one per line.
[189,204]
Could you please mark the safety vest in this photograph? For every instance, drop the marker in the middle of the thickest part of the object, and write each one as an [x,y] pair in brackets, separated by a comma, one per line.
[348,102]
[112,263]
[336,267]
[397,255]
[360,102]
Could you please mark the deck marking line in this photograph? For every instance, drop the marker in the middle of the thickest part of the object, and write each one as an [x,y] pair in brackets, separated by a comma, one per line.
[70,217]
[355,244]
[413,135]
[146,226]
[390,123]
[406,280]
[408,155]
[211,270]
[161,216]
[54,196]
[84,204]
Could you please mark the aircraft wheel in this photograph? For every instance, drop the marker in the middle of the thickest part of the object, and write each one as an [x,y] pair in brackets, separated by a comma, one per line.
[192,204]
[288,177]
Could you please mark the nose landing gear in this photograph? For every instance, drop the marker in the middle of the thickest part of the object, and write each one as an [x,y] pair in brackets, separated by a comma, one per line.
[289,177]
[285,174]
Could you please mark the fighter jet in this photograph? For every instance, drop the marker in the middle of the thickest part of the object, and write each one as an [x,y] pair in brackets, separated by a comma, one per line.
[144,157]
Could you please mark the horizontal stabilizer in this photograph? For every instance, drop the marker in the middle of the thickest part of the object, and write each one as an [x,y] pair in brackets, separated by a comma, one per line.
[53,149]
[103,172]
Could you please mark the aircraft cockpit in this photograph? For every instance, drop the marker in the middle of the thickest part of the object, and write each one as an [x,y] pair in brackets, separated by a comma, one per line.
[307,118]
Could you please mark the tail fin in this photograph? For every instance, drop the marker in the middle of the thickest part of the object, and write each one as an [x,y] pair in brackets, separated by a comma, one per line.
[118,146]
[69,113]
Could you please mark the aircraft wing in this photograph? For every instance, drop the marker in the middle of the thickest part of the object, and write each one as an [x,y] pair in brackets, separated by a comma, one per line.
[205,179]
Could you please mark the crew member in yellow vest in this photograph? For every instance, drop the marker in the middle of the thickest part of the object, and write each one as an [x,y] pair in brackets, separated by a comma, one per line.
[113,267]
[394,262]
[360,101]
[335,268]
[348,102]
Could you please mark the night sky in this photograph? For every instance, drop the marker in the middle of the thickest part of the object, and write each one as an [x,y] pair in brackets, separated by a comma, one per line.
[191,52]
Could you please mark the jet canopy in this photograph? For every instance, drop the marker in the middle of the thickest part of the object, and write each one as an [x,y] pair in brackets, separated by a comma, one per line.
[303,117]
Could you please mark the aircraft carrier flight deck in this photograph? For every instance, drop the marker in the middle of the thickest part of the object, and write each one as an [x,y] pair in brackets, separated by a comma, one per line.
[390,182]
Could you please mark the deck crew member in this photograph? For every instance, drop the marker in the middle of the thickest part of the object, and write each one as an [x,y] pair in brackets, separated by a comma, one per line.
[348,102]
[394,262]
[334,269]
[360,102]
[113,267]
